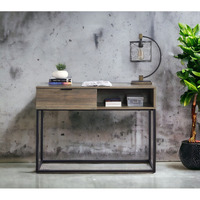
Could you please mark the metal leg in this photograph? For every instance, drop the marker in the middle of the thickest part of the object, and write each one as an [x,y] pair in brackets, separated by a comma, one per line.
[154,140]
[150,137]
[37,138]
[41,140]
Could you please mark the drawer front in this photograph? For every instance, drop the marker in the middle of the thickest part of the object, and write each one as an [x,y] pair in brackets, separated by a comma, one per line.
[64,98]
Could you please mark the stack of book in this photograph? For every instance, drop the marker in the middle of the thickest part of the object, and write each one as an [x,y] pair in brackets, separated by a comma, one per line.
[60,81]
[113,102]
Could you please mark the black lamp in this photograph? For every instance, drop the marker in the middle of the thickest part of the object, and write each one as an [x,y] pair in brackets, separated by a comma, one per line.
[141,51]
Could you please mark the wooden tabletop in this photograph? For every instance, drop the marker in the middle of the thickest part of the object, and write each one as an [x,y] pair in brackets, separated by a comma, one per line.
[117,85]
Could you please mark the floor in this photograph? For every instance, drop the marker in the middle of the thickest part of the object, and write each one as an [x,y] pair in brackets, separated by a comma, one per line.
[168,175]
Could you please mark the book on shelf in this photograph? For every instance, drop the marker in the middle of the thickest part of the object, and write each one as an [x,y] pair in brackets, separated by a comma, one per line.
[113,102]
[60,81]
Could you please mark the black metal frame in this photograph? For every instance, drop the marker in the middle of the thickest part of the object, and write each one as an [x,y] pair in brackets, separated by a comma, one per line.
[151,157]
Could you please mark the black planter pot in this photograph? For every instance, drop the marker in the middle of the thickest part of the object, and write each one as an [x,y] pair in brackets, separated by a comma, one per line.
[189,154]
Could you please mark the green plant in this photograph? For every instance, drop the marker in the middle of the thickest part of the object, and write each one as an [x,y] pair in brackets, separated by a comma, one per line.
[190,75]
[60,66]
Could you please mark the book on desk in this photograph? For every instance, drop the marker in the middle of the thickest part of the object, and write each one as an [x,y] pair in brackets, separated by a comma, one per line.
[60,81]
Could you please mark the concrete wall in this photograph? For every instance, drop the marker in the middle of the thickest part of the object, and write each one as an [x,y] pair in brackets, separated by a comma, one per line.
[94,45]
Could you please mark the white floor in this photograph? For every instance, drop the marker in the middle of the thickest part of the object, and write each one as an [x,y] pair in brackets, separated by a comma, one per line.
[168,175]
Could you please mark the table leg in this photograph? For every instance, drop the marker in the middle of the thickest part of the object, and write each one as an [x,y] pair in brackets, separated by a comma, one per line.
[154,140]
[37,140]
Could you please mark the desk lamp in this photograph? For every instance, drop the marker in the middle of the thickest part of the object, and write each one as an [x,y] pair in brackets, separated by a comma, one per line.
[141,51]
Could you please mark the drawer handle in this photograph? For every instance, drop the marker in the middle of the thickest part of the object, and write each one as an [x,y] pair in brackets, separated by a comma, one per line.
[65,89]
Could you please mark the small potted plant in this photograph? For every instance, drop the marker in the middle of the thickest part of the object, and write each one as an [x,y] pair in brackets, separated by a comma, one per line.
[189,152]
[61,72]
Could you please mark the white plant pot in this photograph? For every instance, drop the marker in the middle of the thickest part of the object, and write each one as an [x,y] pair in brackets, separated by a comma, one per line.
[60,74]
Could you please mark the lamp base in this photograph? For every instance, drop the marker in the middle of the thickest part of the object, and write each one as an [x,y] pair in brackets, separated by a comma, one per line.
[141,83]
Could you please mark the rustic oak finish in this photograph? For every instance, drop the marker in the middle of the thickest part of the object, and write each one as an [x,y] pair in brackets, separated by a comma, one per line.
[76,97]
[65,98]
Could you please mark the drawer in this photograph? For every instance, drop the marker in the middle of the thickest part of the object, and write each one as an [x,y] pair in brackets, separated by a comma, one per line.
[64,98]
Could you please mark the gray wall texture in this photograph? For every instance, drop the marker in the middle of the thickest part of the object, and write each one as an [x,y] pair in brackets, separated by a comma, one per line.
[94,46]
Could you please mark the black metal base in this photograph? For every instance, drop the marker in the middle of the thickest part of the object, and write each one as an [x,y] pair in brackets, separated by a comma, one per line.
[40,161]
[150,167]
[189,154]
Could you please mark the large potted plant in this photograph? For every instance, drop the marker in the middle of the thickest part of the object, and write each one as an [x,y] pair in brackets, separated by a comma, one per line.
[189,152]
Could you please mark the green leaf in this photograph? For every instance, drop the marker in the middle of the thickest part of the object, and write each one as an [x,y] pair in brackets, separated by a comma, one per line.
[189,30]
[191,86]
[182,75]
[186,98]
[196,30]
[183,33]
[182,99]
[189,69]
[198,82]
[196,73]
[190,41]
[186,49]
[196,49]
[193,58]
[182,26]
[182,39]
[197,55]
[191,80]
[184,61]
[192,64]
[181,56]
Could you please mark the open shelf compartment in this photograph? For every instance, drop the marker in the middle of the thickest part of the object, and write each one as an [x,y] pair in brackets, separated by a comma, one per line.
[147,94]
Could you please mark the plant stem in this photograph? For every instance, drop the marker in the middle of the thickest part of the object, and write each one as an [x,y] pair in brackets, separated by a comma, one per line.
[194,120]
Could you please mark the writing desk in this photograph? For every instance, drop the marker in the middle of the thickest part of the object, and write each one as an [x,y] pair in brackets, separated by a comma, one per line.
[76,97]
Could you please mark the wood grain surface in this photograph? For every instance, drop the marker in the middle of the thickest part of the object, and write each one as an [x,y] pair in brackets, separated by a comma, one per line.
[76,97]
[72,99]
